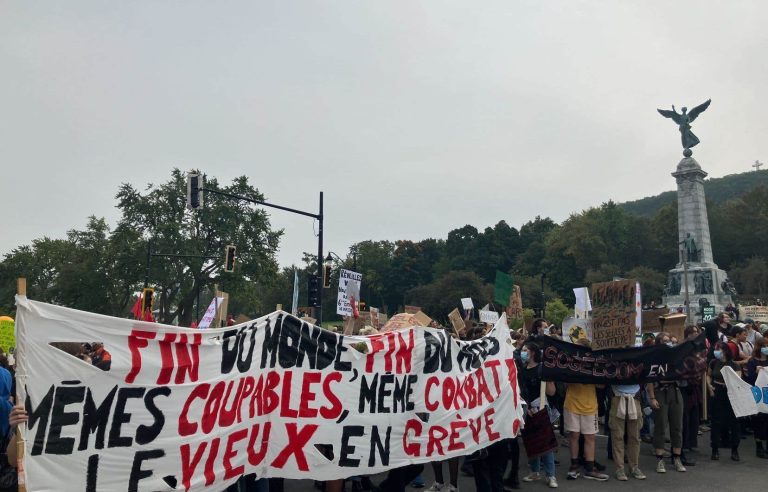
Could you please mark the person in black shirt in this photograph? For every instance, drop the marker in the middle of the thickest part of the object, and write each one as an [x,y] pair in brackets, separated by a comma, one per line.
[723,418]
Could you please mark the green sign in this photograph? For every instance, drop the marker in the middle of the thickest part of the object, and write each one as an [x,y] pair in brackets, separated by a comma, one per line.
[707,313]
[503,288]
[7,335]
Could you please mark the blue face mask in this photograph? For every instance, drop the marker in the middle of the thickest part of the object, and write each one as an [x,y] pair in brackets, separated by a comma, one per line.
[718,354]
[764,350]
[524,356]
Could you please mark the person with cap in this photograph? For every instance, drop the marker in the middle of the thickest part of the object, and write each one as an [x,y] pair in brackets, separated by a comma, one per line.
[753,330]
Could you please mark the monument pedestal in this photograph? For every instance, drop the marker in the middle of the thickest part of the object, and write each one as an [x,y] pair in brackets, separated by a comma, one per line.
[705,280]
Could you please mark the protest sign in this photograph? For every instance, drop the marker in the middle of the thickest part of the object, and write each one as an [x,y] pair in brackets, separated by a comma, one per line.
[193,410]
[210,313]
[423,319]
[502,289]
[295,299]
[613,314]
[7,336]
[467,304]
[674,324]
[746,399]
[349,290]
[375,318]
[515,306]
[583,305]
[574,329]
[572,363]
[457,322]
[651,321]
[757,313]
[487,316]
[411,309]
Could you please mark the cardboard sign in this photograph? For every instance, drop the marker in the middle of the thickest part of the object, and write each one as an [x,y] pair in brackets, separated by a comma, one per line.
[457,322]
[7,335]
[200,409]
[674,324]
[489,316]
[652,321]
[613,314]
[515,306]
[375,317]
[422,318]
[757,313]
[467,304]
[349,288]
[412,309]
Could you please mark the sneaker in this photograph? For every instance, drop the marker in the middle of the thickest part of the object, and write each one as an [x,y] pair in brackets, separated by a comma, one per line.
[659,467]
[636,473]
[436,487]
[621,475]
[679,464]
[552,482]
[450,488]
[596,475]
[573,474]
[532,477]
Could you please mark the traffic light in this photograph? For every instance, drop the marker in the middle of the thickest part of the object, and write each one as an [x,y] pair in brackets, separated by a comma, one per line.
[147,300]
[194,191]
[313,290]
[327,276]
[229,258]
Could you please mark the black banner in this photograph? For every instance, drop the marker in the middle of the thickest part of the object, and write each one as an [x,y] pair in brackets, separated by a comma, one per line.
[571,363]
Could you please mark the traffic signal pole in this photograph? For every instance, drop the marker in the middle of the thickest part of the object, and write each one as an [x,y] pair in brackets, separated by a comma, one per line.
[318,216]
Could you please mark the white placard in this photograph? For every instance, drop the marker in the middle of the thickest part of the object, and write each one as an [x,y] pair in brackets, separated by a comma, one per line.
[466,303]
[210,313]
[349,288]
[489,316]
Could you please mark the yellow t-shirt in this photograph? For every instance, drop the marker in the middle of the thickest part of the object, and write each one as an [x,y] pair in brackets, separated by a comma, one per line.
[581,399]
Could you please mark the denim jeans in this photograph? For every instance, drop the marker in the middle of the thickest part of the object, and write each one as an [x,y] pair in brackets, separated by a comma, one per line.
[549,464]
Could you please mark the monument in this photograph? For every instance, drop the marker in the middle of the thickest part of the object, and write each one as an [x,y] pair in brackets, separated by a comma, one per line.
[696,278]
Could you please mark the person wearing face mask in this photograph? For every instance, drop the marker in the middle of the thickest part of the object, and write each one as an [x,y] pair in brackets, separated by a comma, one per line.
[759,362]
[530,387]
[724,421]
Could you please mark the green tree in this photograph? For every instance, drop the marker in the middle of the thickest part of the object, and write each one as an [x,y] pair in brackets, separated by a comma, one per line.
[159,215]
[440,297]
[557,311]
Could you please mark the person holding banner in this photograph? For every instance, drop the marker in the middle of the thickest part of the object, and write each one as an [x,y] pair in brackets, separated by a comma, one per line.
[667,404]
[580,411]
[530,380]
[724,421]
[759,362]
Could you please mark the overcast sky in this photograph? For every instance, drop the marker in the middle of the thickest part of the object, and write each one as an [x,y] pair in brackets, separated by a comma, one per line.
[414,117]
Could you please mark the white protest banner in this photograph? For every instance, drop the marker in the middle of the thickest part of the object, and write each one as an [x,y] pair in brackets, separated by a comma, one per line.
[295,300]
[210,313]
[186,409]
[349,288]
[746,399]
[757,313]
[638,312]
[466,303]
[489,316]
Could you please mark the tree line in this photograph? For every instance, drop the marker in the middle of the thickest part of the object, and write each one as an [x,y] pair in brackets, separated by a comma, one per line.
[100,268]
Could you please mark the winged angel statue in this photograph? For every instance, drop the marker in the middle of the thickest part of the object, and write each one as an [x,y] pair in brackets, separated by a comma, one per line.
[684,121]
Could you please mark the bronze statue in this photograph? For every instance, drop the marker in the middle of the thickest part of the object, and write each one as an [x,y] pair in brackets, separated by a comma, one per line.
[684,121]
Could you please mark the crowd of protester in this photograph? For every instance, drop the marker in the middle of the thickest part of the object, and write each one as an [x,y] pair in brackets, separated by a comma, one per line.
[656,413]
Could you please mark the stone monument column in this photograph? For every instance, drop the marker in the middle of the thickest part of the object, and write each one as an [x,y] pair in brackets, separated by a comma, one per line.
[696,272]
[692,218]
